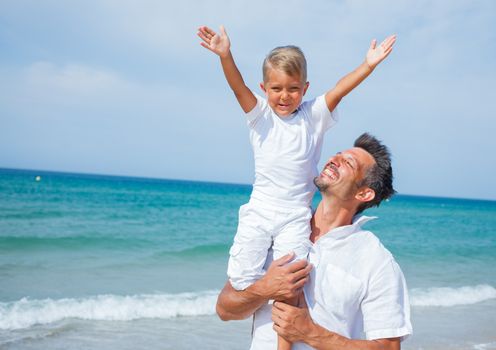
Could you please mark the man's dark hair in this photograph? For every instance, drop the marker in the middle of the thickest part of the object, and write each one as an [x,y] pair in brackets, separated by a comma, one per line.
[380,176]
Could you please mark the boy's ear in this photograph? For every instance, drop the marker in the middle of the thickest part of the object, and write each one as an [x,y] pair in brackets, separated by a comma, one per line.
[365,194]
[262,86]
[307,84]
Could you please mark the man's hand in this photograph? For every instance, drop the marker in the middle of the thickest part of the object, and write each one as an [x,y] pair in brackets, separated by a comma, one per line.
[218,43]
[377,54]
[283,280]
[293,323]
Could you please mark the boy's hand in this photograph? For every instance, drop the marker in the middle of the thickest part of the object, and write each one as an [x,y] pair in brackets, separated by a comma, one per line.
[375,55]
[218,43]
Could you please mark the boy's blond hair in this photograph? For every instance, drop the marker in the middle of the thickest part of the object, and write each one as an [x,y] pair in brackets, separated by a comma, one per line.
[289,59]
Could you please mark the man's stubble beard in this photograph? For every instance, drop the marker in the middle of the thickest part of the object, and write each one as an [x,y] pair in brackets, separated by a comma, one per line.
[324,189]
[321,185]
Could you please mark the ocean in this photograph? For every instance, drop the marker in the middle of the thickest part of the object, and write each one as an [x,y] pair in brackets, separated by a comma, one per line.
[102,262]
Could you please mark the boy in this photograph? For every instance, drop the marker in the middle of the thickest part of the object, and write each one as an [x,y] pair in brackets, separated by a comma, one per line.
[286,136]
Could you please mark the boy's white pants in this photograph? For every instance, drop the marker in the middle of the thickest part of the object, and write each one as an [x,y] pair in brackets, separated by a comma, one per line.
[261,225]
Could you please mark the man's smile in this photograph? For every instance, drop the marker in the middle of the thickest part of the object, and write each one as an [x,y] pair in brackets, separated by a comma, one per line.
[331,171]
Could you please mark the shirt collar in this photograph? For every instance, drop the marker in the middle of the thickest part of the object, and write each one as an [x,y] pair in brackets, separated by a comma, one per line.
[343,231]
[290,118]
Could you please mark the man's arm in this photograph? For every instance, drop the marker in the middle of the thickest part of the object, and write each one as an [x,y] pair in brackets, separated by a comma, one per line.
[295,324]
[220,44]
[375,55]
[282,281]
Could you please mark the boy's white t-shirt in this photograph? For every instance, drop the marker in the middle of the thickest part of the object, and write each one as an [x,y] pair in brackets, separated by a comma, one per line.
[287,151]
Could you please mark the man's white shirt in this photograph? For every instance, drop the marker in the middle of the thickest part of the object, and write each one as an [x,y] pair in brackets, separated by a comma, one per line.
[356,289]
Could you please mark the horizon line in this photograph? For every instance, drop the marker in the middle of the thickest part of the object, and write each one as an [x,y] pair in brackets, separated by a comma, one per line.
[141,177]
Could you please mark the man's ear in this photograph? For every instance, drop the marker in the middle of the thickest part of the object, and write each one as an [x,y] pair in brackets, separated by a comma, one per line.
[365,194]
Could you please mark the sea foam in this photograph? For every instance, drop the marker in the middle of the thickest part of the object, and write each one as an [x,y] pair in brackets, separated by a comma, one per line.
[451,296]
[26,312]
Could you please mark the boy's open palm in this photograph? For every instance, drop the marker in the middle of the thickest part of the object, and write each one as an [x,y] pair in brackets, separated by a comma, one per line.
[218,43]
[378,53]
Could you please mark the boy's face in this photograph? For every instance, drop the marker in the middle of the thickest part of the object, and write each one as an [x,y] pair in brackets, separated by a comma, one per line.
[284,92]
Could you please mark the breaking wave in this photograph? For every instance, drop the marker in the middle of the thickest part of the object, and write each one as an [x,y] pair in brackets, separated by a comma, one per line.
[26,312]
[451,296]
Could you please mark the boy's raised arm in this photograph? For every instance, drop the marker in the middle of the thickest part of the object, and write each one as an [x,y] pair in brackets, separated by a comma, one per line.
[375,55]
[220,44]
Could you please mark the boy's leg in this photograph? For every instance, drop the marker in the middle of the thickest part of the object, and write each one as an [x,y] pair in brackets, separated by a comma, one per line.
[248,253]
[294,236]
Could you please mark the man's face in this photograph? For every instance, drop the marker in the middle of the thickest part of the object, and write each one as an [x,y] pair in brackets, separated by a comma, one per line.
[344,172]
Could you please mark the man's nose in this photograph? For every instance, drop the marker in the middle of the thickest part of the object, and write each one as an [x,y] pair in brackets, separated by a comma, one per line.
[337,160]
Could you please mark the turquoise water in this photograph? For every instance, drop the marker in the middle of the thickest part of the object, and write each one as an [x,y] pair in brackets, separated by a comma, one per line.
[143,257]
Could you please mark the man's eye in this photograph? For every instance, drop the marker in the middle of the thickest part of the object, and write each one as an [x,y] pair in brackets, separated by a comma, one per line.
[349,163]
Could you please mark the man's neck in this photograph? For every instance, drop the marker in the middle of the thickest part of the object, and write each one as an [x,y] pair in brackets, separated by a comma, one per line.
[330,214]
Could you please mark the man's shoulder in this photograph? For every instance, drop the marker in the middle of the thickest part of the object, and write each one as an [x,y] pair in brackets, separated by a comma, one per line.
[370,250]
[376,243]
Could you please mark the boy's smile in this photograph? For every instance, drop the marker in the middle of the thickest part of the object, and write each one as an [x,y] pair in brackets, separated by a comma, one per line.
[284,92]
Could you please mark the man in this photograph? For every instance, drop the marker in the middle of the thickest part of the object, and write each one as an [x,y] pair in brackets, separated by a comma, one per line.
[352,285]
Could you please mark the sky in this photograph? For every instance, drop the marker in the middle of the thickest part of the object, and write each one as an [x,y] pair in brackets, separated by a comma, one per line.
[124,87]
